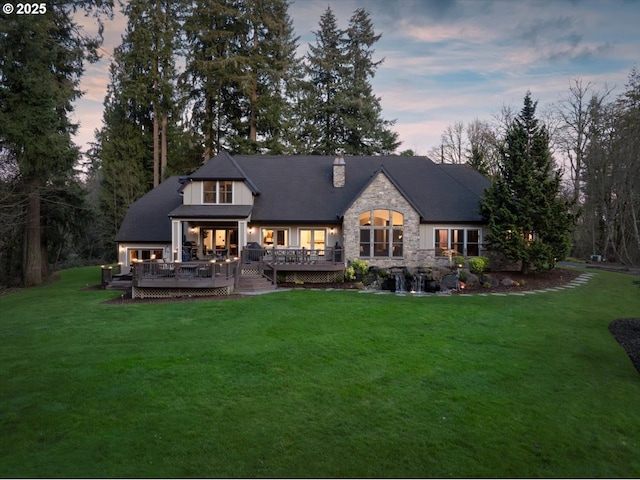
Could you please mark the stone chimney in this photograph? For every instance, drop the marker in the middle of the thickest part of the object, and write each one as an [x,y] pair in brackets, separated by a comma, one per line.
[339,172]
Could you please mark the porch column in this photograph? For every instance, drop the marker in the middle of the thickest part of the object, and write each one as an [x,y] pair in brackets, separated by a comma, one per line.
[176,240]
[242,235]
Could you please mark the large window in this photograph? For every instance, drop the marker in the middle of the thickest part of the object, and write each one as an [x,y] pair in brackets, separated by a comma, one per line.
[463,241]
[217,191]
[313,239]
[381,233]
[275,237]
[145,254]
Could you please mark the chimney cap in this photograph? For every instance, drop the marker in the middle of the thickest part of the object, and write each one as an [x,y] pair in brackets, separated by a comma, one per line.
[339,161]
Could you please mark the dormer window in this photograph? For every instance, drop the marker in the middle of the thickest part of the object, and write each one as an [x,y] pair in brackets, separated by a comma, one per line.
[220,191]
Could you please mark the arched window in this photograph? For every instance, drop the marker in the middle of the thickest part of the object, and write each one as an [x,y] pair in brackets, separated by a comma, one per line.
[381,233]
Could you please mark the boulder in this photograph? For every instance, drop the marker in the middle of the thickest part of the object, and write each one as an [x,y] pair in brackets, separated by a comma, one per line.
[449,281]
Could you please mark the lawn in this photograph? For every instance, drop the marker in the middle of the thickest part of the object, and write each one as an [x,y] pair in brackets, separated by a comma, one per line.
[318,384]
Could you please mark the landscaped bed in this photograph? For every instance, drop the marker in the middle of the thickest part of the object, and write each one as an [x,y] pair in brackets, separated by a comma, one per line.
[318,384]
[520,282]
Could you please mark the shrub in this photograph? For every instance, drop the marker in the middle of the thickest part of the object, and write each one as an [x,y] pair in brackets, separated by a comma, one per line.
[478,265]
[458,260]
[349,274]
[360,266]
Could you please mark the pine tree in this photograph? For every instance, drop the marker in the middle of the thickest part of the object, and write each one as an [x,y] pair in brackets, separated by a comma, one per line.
[147,73]
[340,107]
[326,72]
[213,36]
[528,221]
[366,132]
[268,69]
[41,61]
[122,154]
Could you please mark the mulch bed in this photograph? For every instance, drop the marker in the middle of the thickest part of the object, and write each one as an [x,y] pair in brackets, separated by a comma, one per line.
[626,331]
[533,281]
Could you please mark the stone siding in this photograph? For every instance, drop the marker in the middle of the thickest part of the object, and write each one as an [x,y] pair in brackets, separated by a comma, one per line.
[339,175]
[382,194]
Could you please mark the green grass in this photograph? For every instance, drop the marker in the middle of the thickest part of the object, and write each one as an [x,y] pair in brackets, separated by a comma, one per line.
[318,384]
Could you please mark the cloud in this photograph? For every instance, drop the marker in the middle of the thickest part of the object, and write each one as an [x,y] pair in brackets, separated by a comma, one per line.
[456,60]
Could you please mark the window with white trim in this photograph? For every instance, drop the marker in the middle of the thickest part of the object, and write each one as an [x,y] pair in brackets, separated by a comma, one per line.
[220,191]
[275,237]
[381,233]
[313,239]
[462,241]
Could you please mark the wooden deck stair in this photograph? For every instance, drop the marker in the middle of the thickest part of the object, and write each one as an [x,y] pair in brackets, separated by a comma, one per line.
[254,283]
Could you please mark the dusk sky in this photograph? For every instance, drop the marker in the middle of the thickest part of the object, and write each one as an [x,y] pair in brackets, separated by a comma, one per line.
[447,61]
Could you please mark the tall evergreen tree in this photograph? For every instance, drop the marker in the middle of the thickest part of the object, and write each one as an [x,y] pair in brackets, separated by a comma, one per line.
[366,132]
[122,152]
[213,35]
[268,70]
[528,221]
[142,140]
[41,61]
[147,73]
[326,74]
[340,107]
[241,72]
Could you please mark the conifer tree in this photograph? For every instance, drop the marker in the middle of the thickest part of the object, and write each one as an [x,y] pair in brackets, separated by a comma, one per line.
[528,221]
[268,69]
[212,72]
[41,61]
[326,72]
[340,107]
[366,132]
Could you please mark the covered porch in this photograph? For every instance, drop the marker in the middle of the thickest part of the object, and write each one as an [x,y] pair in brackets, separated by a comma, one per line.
[201,232]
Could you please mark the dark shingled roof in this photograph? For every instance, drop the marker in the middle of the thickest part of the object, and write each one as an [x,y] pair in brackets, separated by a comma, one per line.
[223,167]
[299,189]
[209,211]
[147,219]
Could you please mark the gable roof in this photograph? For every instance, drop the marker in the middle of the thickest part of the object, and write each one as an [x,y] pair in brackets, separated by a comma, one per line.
[225,167]
[383,171]
[147,220]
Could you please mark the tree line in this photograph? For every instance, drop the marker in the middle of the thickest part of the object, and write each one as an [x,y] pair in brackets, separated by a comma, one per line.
[595,142]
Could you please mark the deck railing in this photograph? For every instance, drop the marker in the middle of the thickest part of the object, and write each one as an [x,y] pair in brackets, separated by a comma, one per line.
[300,256]
[186,272]
[267,260]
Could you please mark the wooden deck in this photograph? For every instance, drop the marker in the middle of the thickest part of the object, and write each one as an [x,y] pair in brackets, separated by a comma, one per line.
[264,262]
[185,275]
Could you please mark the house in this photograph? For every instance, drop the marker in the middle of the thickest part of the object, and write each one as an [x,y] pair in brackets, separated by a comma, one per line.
[388,210]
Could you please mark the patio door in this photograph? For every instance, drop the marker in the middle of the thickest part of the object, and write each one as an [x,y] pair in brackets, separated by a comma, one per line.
[313,239]
[220,241]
